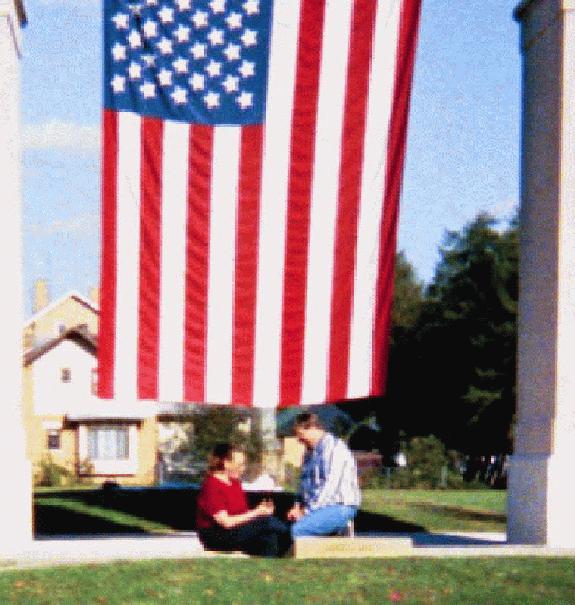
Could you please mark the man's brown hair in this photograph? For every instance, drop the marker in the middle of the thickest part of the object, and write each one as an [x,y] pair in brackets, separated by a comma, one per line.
[307,420]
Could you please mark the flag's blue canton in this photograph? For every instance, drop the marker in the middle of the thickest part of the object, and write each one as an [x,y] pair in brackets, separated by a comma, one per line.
[199,61]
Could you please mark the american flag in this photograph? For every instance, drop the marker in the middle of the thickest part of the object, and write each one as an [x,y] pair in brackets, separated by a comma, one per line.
[252,160]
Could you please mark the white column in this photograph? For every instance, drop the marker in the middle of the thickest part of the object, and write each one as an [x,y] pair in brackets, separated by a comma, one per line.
[16,500]
[541,495]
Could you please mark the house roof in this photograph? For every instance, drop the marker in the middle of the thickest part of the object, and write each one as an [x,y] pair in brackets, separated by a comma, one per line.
[79,335]
[72,294]
[103,412]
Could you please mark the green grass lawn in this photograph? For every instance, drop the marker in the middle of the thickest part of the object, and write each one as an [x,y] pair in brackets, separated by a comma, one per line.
[439,510]
[251,582]
[91,511]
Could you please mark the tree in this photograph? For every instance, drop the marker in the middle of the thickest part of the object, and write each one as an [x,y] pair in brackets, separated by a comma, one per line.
[219,424]
[466,337]
[394,409]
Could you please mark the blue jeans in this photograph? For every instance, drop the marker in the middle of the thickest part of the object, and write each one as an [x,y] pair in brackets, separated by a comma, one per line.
[323,521]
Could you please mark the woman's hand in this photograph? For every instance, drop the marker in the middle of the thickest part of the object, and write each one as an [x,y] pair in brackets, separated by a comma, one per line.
[265,508]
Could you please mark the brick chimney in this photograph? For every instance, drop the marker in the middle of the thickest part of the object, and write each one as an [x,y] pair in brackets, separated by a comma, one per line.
[94,295]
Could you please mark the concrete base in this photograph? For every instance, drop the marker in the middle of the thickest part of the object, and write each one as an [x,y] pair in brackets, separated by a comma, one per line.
[67,550]
[540,504]
[351,548]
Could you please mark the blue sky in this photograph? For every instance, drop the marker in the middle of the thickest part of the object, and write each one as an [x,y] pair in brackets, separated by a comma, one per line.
[462,154]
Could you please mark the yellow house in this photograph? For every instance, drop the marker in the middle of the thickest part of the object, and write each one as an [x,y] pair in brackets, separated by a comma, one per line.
[53,319]
[70,432]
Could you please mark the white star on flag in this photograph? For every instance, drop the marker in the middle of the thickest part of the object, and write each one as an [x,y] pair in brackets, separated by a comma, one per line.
[182,33]
[234,20]
[216,37]
[135,39]
[214,68]
[150,29]
[136,9]
[151,2]
[118,83]
[184,5]
[247,69]
[165,77]
[135,71]
[149,60]
[198,50]
[180,95]
[197,81]
[181,65]
[166,15]
[165,46]
[119,52]
[252,7]
[218,6]
[232,52]
[231,83]
[121,20]
[249,37]
[200,19]
[148,89]
[245,100]
[212,99]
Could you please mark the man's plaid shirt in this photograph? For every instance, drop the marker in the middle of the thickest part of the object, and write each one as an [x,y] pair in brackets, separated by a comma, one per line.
[329,475]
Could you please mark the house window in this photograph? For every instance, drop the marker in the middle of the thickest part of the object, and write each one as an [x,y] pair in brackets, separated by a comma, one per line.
[66,375]
[108,443]
[53,441]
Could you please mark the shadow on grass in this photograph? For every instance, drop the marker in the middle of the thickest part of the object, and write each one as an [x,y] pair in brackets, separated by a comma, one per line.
[460,512]
[172,507]
[54,520]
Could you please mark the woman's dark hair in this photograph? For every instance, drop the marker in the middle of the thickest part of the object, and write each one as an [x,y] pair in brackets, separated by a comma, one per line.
[221,453]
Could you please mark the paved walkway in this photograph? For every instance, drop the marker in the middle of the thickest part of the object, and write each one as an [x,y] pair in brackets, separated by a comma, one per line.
[65,550]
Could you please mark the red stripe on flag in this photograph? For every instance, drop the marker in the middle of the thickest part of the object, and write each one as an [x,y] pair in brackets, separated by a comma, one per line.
[107,317]
[299,199]
[357,88]
[197,261]
[395,155]
[150,251]
[244,327]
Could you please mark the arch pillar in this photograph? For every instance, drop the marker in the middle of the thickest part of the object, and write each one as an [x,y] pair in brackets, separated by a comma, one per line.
[15,476]
[541,495]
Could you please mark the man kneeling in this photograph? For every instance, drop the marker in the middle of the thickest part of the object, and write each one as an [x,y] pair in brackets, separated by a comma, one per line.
[329,493]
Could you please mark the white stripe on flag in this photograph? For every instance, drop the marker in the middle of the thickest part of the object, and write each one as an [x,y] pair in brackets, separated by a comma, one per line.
[173,261]
[332,92]
[128,254]
[380,103]
[275,173]
[223,210]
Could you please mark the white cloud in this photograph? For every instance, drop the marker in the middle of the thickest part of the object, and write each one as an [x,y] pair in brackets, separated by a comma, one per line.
[506,208]
[57,134]
[75,225]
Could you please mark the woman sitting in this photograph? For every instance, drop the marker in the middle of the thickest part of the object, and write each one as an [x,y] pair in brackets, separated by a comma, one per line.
[224,520]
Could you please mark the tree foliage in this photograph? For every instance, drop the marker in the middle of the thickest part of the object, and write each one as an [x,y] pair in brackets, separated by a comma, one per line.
[453,346]
[223,424]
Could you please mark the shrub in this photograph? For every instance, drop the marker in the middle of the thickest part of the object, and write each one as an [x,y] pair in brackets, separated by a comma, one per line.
[50,474]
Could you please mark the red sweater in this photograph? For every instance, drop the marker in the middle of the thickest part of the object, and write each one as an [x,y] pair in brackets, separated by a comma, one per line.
[215,496]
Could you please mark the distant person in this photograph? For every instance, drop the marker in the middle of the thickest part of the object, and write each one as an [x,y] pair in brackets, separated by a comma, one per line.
[224,520]
[329,495]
